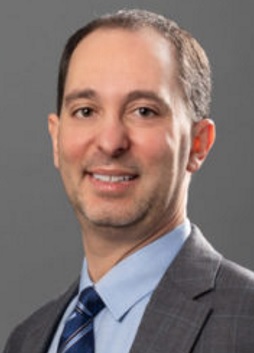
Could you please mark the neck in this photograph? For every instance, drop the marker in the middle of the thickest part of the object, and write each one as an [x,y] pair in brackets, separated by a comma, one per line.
[106,247]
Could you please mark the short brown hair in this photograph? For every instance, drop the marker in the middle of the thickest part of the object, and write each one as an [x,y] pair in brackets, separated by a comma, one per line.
[194,68]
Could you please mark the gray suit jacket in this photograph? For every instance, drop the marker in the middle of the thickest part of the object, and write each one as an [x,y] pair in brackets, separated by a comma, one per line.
[203,304]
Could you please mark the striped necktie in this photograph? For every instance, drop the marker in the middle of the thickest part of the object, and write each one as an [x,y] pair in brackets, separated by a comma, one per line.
[78,336]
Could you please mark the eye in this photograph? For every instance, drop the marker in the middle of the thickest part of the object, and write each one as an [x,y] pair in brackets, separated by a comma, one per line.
[85,112]
[146,112]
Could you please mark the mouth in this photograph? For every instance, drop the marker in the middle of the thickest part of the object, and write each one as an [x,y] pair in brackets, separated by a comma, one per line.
[107,178]
[111,181]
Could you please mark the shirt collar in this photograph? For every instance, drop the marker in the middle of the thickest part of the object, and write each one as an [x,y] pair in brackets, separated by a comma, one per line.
[137,275]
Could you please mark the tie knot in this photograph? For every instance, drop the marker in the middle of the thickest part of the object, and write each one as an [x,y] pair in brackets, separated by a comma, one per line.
[89,302]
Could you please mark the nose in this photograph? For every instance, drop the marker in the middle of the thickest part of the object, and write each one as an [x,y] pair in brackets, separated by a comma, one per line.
[113,138]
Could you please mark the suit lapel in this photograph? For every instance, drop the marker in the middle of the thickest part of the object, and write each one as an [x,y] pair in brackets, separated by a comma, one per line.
[42,331]
[174,317]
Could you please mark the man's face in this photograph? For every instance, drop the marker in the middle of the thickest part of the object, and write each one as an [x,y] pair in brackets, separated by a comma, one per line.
[123,139]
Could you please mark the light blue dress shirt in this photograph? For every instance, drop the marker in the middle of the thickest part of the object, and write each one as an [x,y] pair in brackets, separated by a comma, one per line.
[126,290]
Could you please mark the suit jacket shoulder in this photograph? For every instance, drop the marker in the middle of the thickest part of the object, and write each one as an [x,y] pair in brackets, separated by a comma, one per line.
[35,333]
[204,304]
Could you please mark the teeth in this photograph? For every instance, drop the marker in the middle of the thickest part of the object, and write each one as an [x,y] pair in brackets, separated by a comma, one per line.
[112,178]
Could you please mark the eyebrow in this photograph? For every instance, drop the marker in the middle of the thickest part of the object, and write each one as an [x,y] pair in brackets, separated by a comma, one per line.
[150,95]
[80,94]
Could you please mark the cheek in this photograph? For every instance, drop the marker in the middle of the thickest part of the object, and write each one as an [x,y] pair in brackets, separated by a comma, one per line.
[155,147]
[71,145]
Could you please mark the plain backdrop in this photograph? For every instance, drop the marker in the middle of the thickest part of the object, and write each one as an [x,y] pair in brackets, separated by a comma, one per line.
[40,246]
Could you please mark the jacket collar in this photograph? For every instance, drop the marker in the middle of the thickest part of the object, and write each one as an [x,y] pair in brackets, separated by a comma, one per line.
[175,316]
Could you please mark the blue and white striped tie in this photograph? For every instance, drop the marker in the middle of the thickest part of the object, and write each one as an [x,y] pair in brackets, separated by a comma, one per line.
[78,336]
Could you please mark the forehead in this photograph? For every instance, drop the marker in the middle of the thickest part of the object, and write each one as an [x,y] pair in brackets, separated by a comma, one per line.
[140,56]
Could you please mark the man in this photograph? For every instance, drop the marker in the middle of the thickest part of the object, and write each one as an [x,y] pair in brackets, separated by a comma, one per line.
[131,128]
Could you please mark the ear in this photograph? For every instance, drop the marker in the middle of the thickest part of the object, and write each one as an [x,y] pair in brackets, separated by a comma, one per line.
[203,137]
[53,127]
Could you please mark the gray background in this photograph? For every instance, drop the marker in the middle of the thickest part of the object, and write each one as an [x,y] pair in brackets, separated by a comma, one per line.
[40,247]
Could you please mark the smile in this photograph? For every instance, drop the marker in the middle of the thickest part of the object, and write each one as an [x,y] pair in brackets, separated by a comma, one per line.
[113,178]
